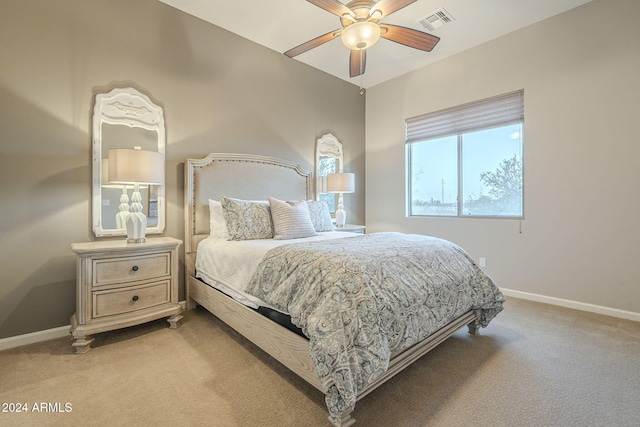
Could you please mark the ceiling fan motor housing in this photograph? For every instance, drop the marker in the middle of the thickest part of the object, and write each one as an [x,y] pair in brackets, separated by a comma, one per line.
[361,9]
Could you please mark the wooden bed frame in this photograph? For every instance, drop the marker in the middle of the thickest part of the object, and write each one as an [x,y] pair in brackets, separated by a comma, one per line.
[253,177]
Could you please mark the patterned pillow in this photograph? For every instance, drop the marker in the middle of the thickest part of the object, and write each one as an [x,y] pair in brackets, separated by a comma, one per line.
[291,221]
[320,216]
[247,220]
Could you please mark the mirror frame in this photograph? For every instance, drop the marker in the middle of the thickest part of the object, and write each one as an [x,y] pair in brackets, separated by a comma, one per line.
[327,146]
[123,106]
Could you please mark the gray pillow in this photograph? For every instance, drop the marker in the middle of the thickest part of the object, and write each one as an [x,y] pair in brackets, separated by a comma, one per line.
[320,216]
[247,220]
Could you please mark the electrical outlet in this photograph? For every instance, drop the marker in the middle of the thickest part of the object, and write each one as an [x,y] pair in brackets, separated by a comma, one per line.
[482,262]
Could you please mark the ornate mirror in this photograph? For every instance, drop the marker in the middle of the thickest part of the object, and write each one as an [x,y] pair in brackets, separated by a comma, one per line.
[124,118]
[329,159]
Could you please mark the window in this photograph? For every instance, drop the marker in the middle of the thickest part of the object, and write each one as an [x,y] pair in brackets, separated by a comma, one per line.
[466,161]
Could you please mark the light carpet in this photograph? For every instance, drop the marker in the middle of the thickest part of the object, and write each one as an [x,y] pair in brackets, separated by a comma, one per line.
[535,365]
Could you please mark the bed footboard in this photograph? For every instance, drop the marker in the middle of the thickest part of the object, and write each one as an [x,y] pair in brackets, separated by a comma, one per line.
[292,350]
[285,346]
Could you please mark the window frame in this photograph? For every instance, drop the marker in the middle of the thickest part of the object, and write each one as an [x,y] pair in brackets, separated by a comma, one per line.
[499,111]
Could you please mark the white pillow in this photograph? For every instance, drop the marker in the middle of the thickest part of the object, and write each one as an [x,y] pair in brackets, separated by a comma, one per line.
[291,221]
[216,220]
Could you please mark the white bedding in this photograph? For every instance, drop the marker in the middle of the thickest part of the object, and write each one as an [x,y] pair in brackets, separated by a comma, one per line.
[229,265]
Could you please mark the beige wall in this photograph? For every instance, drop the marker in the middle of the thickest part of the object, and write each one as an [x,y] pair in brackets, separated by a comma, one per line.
[220,93]
[223,93]
[579,70]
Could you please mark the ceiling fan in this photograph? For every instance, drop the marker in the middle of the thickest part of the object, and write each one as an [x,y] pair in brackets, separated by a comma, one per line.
[361,29]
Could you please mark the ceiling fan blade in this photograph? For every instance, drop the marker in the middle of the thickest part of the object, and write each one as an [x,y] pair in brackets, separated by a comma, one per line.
[409,37]
[312,43]
[387,7]
[333,6]
[357,62]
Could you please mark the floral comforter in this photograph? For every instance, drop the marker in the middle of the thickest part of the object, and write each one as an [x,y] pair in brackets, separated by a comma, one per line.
[359,299]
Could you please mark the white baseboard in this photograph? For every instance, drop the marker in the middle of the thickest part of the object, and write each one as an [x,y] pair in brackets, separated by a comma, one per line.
[34,337]
[50,334]
[39,336]
[607,311]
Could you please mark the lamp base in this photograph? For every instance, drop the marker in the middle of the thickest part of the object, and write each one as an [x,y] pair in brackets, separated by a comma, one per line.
[341,218]
[136,221]
[121,216]
[136,227]
[341,214]
[140,240]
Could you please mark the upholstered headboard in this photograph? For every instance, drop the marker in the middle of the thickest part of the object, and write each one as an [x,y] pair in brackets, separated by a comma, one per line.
[241,176]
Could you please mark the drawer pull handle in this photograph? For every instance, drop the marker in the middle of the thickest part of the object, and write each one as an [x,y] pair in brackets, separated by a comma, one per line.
[134,268]
[135,298]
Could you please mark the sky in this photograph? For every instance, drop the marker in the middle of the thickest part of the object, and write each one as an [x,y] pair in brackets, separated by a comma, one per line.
[437,160]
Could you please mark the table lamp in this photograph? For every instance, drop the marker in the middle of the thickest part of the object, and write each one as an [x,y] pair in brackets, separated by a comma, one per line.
[341,183]
[136,166]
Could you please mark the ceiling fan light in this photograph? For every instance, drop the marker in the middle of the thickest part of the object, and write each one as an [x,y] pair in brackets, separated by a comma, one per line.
[360,35]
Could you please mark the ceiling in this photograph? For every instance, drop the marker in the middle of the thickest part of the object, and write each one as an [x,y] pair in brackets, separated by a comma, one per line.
[283,24]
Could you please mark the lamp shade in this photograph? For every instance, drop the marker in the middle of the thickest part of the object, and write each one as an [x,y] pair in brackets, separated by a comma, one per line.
[108,184]
[105,172]
[135,166]
[341,183]
[360,35]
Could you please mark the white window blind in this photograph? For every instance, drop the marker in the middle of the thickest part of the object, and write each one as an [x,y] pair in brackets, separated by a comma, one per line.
[487,113]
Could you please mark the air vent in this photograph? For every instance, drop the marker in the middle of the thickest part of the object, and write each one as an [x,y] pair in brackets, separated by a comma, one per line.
[436,20]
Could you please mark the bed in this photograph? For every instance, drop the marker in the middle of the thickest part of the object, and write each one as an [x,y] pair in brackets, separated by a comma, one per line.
[302,348]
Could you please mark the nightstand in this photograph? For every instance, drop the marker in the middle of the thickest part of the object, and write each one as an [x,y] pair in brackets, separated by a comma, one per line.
[352,228]
[120,284]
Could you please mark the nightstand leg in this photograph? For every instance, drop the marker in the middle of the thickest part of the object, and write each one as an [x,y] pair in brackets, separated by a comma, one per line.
[82,344]
[175,321]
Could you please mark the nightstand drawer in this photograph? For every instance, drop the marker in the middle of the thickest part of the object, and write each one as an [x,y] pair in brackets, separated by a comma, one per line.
[118,270]
[108,303]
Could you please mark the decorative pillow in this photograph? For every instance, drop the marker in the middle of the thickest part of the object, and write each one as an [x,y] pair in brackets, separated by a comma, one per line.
[320,216]
[216,220]
[291,221]
[247,220]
